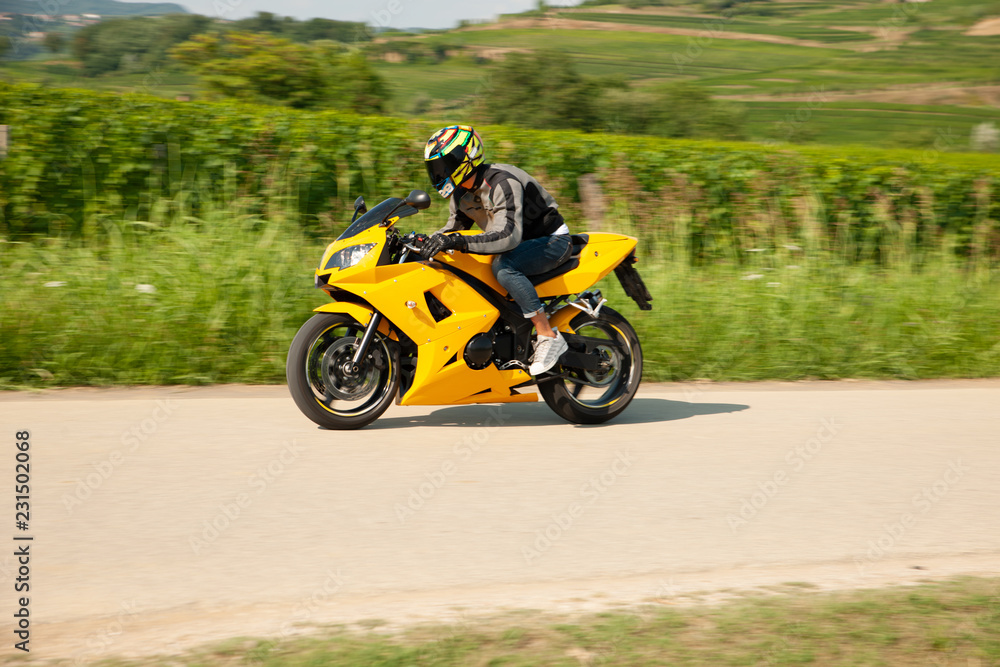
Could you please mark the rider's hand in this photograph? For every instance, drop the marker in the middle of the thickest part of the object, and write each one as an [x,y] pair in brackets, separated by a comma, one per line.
[440,242]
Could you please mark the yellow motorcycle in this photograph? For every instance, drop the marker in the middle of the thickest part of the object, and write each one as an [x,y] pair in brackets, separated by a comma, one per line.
[444,332]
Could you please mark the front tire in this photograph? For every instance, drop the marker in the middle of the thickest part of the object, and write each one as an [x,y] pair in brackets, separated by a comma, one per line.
[324,389]
[594,397]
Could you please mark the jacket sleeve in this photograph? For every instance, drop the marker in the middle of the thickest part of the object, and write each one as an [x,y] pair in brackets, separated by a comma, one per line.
[506,225]
[457,221]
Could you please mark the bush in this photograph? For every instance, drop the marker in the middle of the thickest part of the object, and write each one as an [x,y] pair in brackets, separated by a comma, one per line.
[78,157]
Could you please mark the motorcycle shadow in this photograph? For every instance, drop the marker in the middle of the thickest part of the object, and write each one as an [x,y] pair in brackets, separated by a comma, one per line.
[640,411]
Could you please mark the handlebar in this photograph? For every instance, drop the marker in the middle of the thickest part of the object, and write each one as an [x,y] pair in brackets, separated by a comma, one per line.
[415,247]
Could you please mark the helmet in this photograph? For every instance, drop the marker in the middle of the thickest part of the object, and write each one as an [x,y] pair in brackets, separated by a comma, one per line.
[451,156]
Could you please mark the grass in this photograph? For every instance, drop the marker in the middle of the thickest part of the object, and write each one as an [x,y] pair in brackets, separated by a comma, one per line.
[866,122]
[194,302]
[59,70]
[758,26]
[229,290]
[953,623]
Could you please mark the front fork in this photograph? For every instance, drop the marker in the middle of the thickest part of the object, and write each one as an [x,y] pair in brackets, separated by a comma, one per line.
[366,341]
[369,334]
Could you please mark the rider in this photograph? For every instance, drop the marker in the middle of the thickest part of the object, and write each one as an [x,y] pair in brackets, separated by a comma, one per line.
[521,225]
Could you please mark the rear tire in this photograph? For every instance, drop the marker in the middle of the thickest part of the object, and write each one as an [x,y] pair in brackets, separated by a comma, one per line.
[323,390]
[611,390]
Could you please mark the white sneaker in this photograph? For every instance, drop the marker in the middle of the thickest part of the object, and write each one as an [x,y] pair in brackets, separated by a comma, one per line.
[547,353]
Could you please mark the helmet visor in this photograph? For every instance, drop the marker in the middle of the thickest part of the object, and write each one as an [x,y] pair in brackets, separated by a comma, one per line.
[440,169]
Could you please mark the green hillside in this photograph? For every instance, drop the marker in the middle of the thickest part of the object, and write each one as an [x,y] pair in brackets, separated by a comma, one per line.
[101,7]
[843,72]
[893,74]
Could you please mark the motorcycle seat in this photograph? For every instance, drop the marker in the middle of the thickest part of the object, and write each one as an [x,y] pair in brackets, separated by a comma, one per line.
[579,241]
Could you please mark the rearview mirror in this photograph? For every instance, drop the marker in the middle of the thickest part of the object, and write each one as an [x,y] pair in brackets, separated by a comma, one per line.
[359,207]
[418,199]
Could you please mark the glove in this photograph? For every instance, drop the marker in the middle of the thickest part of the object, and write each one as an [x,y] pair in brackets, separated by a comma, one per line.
[440,242]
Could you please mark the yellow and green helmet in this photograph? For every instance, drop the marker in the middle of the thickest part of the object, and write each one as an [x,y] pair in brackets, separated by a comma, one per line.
[451,155]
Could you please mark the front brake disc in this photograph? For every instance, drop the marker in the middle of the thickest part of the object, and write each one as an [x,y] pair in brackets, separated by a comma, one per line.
[338,381]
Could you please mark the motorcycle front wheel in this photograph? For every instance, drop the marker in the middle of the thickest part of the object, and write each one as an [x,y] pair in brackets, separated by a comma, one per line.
[594,397]
[321,379]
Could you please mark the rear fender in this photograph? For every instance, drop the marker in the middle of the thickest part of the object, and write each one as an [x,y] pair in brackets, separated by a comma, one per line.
[562,317]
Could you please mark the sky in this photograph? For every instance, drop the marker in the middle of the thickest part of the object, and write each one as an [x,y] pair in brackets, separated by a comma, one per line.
[386,13]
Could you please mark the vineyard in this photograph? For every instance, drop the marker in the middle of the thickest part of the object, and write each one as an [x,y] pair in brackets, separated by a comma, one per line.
[145,241]
[79,158]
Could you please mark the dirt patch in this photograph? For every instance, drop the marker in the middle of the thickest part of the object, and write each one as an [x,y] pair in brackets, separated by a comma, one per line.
[985,28]
[551,23]
[950,94]
[647,11]
[172,631]
[782,80]
[494,52]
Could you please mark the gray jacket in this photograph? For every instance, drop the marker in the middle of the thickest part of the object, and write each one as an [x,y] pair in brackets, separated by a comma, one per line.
[509,206]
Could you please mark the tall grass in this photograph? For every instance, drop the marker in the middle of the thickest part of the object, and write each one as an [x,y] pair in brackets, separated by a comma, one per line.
[191,301]
[217,298]
[818,320]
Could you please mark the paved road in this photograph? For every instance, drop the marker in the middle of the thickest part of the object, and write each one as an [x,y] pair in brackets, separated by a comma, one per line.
[167,517]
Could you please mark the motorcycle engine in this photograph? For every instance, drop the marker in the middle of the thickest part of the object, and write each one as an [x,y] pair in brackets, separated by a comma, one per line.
[479,352]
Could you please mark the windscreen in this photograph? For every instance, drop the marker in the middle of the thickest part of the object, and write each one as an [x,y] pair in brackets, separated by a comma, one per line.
[376,215]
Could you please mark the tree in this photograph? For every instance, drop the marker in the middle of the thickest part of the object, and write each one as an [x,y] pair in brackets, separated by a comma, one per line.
[542,90]
[137,43]
[263,68]
[689,111]
[678,110]
[54,42]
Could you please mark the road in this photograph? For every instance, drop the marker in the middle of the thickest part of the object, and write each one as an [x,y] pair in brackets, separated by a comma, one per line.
[167,517]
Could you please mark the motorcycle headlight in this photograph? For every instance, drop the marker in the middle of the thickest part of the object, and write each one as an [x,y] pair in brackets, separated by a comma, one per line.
[348,257]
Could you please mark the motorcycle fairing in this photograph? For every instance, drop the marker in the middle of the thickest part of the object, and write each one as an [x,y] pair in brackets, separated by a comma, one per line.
[399,292]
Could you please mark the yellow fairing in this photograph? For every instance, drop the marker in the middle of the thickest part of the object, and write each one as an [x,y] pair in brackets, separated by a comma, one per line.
[598,258]
[360,313]
[437,381]
[400,292]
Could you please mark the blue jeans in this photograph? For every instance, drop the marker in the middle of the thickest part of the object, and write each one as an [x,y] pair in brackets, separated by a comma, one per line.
[530,258]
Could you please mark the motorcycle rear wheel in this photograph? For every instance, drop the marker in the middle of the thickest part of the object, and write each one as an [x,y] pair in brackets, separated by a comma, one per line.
[324,389]
[594,397]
